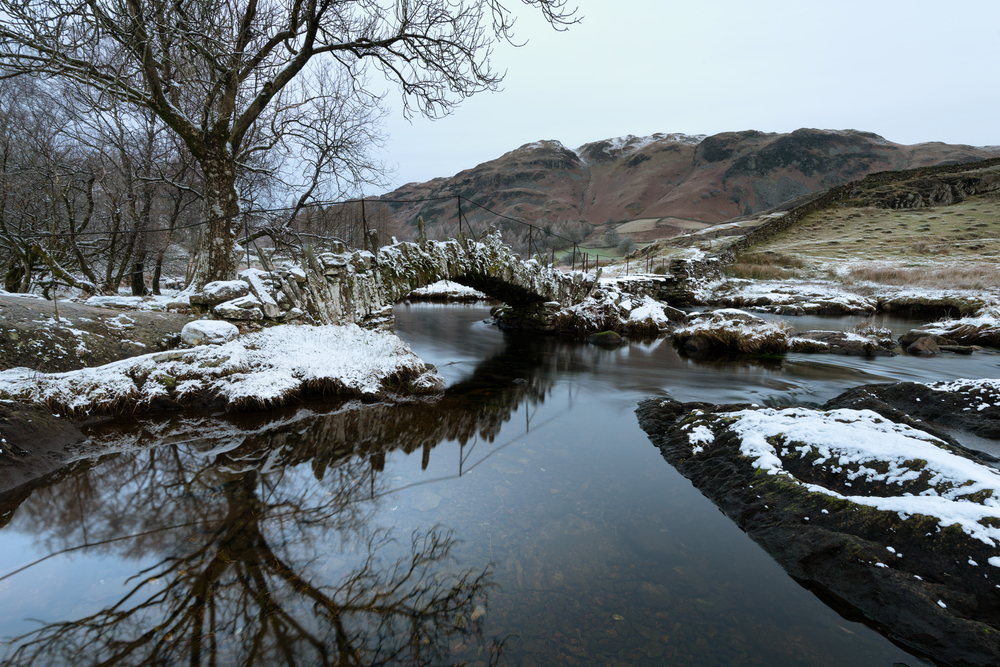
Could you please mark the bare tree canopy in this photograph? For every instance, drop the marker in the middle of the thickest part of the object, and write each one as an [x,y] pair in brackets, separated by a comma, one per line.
[232,77]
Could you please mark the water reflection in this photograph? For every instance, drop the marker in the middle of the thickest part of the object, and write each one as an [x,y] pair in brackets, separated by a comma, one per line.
[239,561]
[268,538]
[235,519]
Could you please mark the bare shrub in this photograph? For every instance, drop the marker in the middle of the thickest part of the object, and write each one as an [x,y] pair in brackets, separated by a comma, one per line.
[871,330]
[626,245]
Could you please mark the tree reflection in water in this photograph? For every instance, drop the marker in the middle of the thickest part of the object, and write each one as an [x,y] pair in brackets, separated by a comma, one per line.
[241,545]
[240,515]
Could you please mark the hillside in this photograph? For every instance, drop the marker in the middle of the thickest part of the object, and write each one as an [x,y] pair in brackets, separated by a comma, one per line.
[667,183]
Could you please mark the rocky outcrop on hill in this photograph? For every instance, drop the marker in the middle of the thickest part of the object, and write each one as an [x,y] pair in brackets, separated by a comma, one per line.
[673,180]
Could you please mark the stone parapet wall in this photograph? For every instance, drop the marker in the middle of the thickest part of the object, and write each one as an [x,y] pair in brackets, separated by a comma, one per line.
[678,285]
[360,287]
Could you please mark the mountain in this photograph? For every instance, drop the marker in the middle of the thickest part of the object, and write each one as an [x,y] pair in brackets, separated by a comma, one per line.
[668,182]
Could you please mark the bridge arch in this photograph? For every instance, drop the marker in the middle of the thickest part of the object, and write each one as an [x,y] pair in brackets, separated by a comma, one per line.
[361,287]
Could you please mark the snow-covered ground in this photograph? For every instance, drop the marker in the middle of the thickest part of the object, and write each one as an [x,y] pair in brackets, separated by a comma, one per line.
[258,370]
[608,308]
[864,447]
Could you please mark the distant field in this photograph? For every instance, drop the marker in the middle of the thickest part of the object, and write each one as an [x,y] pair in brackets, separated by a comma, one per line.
[636,226]
[955,245]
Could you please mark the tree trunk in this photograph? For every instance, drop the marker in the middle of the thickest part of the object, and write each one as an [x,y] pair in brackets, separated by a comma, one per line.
[157,272]
[142,243]
[220,214]
[138,284]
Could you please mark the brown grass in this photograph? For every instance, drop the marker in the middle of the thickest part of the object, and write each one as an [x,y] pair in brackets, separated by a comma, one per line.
[768,338]
[968,231]
[980,276]
[764,266]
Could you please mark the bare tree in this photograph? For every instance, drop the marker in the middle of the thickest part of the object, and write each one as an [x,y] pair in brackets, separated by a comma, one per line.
[220,73]
[84,194]
[347,223]
[46,184]
[626,245]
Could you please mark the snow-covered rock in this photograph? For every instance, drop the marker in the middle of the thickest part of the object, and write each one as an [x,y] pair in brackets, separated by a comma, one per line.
[220,291]
[646,317]
[208,332]
[886,516]
[729,329]
[180,303]
[246,307]
[446,290]
[260,284]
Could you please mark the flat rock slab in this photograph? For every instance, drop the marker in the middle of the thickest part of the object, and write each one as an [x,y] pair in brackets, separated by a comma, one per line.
[84,336]
[846,343]
[826,514]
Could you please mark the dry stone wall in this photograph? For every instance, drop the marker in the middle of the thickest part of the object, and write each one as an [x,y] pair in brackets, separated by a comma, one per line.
[912,188]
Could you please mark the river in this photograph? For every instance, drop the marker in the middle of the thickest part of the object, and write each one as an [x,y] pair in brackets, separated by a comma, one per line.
[522,519]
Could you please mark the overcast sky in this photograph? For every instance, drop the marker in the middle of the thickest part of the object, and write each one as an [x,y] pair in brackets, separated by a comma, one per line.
[910,71]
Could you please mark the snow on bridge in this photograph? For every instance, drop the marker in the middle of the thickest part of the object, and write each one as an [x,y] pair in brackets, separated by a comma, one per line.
[360,287]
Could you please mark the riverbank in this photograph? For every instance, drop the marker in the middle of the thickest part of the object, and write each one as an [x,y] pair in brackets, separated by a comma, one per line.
[53,337]
[895,522]
[260,370]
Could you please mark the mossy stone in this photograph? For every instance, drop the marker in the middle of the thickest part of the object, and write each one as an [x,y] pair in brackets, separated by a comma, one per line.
[606,339]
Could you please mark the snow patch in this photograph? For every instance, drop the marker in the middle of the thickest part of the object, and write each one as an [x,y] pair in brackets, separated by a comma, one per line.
[863,438]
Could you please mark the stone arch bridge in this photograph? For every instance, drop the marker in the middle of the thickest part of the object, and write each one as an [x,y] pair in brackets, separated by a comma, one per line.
[361,287]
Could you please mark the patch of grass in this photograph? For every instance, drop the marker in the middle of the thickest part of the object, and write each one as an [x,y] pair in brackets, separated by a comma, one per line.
[771,259]
[978,276]
[882,235]
[756,272]
[764,266]
[872,330]
[746,336]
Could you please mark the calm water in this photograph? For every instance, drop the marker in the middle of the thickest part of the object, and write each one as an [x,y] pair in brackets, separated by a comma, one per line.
[523,519]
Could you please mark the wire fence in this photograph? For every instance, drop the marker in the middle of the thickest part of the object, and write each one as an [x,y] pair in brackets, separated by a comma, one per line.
[249,216]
